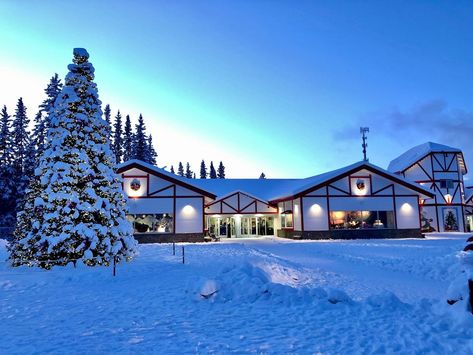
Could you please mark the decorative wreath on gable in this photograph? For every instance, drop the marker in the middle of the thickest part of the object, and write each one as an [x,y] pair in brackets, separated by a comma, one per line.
[135,184]
[360,184]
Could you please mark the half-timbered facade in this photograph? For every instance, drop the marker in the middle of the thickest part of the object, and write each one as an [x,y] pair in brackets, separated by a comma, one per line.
[163,207]
[440,169]
[357,201]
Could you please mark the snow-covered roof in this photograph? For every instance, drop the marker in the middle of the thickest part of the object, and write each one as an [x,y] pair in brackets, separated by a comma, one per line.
[278,189]
[262,189]
[417,153]
[274,189]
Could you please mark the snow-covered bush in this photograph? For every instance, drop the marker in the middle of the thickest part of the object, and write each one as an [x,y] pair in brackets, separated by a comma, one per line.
[75,207]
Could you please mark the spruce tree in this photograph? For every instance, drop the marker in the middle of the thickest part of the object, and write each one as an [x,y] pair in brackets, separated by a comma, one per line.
[203,170]
[127,140]
[5,137]
[193,176]
[262,176]
[22,151]
[221,171]
[140,144]
[172,170]
[117,146]
[151,153]
[107,113]
[75,207]
[42,118]
[212,173]
[20,138]
[180,170]
[7,180]
[188,171]
[52,91]
[38,136]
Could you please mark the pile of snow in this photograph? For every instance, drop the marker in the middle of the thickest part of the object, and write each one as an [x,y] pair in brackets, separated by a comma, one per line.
[249,283]
[458,293]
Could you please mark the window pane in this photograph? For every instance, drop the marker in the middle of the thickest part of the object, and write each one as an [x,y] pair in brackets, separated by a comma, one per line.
[289,221]
[361,219]
[152,223]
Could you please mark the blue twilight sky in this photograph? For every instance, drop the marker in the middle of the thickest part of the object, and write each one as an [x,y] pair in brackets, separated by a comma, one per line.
[274,86]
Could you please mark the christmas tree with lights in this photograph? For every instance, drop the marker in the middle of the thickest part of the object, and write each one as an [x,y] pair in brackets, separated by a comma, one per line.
[74,207]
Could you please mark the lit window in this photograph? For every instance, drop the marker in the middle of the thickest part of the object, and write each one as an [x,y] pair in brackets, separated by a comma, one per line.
[286,220]
[151,223]
[361,219]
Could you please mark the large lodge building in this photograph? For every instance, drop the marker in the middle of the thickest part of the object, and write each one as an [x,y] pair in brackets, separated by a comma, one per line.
[422,191]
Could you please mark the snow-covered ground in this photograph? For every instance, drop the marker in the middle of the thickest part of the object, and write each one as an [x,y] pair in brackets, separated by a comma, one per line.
[262,296]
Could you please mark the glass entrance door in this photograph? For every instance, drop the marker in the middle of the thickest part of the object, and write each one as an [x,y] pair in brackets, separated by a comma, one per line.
[223,227]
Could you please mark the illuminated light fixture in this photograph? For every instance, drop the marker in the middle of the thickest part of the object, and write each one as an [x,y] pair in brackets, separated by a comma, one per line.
[315,210]
[406,208]
[448,198]
[421,201]
[188,210]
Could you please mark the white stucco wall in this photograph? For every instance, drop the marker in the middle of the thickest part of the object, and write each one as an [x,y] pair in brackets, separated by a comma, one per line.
[407,212]
[367,203]
[315,213]
[188,217]
[150,205]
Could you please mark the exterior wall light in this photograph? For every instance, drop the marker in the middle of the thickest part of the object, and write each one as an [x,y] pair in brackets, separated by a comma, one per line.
[448,198]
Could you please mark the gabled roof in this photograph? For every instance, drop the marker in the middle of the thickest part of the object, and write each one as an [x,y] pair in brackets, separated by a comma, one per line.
[271,190]
[262,189]
[151,169]
[419,152]
[317,181]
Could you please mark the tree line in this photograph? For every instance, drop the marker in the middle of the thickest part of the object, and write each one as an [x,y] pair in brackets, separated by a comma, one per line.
[21,147]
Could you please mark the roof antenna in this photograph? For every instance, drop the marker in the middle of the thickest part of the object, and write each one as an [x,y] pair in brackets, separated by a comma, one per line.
[363,131]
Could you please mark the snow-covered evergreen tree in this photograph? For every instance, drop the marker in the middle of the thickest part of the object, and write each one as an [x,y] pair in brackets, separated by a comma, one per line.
[172,169]
[221,171]
[203,170]
[151,153]
[262,176]
[127,140]
[117,146]
[140,143]
[188,171]
[7,179]
[180,170]
[212,172]
[75,207]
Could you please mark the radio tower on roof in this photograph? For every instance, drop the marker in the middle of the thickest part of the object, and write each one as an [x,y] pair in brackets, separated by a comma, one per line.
[363,131]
